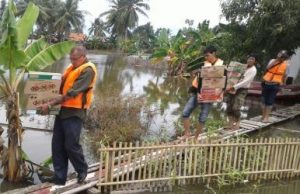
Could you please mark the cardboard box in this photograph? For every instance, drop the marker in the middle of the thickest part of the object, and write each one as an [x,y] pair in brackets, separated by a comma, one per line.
[212,71]
[42,87]
[237,67]
[35,100]
[216,82]
[211,95]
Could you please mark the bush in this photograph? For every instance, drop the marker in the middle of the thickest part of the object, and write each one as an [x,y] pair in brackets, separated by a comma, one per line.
[117,119]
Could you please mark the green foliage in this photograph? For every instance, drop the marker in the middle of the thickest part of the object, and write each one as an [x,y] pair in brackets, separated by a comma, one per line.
[26,22]
[263,26]
[48,54]
[46,163]
[123,16]
[184,50]
[15,59]
[57,18]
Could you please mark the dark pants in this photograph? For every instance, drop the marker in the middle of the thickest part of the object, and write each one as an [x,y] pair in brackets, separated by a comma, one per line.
[269,92]
[235,102]
[65,146]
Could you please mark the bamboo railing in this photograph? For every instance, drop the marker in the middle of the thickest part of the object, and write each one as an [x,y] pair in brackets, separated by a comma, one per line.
[144,164]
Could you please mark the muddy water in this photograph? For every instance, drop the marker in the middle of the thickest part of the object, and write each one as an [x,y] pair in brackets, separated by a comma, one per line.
[166,96]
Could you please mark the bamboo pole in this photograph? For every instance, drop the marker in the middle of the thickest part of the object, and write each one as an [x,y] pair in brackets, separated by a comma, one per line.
[124,163]
[111,170]
[135,158]
[106,178]
[100,170]
[119,162]
[220,158]
[296,158]
[268,157]
[140,169]
[129,162]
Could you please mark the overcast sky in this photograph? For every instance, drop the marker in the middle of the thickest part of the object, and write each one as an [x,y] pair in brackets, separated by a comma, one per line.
[164,13]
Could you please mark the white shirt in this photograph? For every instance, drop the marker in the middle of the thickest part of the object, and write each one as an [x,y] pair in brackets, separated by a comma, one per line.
[248,77]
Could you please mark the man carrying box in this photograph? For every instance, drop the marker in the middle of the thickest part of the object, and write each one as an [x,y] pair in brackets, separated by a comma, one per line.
[195,90]
[76,92]
[238,92]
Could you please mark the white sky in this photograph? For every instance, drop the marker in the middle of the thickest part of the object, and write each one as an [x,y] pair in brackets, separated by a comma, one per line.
[164,13]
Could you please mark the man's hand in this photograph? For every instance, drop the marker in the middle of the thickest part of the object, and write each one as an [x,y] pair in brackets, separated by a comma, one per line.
[199,97]
[43,109]
[231,89]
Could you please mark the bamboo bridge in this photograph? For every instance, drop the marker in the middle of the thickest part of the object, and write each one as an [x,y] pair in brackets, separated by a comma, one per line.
[139,166]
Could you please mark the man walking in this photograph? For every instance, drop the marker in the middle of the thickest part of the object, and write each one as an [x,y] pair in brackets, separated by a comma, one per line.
[211,60]
[76,92]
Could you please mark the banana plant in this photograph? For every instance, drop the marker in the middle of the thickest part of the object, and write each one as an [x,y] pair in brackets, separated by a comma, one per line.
[16,58]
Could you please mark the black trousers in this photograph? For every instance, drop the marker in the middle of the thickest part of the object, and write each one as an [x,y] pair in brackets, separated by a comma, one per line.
[65,146]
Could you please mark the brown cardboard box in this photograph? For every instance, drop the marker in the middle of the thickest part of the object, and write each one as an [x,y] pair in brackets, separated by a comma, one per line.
[237,67]
[42,87]
[211,95]
[35,100]
[212,71]
[216,82]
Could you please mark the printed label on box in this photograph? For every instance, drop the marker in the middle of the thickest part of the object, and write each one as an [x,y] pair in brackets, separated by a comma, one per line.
[212,71]
[211,95]
[213,82]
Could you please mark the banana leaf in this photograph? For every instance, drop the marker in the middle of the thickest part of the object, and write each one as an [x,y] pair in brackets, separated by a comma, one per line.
[34,48]
[196,64]
[26,23]
[49,55]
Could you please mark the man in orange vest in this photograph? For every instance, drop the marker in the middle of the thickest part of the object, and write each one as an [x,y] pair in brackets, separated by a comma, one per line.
[272,79]
[76,92]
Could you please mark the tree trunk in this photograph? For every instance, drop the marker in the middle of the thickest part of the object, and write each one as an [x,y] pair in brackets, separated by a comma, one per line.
[13,164]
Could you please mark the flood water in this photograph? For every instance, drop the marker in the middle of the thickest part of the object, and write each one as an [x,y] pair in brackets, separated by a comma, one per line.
[166,96]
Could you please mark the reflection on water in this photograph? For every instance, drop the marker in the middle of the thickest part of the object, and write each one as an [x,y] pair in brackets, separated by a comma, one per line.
[276,187]
[166,97]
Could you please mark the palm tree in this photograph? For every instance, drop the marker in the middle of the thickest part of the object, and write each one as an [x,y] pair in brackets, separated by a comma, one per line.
[98,28]
[123,16]
[69,18]
[16,58]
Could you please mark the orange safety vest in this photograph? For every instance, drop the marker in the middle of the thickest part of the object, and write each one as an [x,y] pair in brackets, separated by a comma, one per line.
[276,73]
[69,77]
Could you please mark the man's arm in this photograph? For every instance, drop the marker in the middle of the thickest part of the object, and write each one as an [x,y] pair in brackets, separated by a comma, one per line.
[81,84]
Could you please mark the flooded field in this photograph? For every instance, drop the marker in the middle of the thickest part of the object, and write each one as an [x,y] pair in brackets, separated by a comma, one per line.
[166,97]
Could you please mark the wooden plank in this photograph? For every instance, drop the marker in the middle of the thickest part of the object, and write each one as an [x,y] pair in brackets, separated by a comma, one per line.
[255,123]
[247,126]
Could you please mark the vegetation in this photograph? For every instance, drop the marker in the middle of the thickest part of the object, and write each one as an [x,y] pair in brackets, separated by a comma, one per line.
[123,16]
[16,58]
[57,18]
[263,26]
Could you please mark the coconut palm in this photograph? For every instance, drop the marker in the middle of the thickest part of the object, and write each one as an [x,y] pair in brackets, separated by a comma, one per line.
[69,17]
[16,58]
[123,15]
[98,28]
